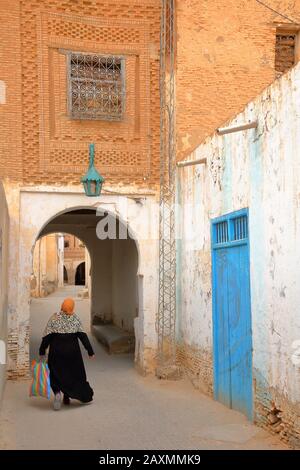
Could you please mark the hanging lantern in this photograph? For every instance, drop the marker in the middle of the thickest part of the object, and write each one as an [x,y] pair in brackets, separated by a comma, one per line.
[92,181]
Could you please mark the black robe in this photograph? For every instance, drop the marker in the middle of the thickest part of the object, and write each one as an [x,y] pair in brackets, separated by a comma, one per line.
[67,372]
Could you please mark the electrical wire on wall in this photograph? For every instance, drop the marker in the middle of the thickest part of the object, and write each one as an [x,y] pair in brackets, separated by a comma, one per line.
[277,12]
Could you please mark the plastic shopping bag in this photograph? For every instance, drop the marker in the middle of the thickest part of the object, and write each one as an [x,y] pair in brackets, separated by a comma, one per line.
[40,383]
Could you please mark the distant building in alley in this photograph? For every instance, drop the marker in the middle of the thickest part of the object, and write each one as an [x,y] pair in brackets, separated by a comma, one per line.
[58,260]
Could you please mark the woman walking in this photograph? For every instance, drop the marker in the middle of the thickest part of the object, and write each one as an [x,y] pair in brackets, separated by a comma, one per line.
[67,372]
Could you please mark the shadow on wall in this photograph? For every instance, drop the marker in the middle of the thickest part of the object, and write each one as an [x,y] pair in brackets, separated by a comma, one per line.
[117,298]
[80,275]
[4,221]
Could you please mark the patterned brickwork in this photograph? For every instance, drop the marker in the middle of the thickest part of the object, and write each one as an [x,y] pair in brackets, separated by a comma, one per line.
[89,32]
[225,57]
[10,91]
[54,146]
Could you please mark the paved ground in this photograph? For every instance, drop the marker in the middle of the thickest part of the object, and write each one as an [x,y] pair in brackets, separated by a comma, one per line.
[129,411]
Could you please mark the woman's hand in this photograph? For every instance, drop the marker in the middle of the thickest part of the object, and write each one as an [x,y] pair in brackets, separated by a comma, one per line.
[92,357]
[43,358]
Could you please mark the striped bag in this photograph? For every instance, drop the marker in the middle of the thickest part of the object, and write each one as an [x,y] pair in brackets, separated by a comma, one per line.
[40,383]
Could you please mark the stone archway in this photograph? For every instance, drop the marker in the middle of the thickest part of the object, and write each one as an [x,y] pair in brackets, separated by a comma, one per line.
[114,264]
[43,210]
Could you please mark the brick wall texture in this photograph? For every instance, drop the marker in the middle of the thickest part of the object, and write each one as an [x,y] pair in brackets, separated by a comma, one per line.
[54,148]
[75,250]
[284,53]
[225,57]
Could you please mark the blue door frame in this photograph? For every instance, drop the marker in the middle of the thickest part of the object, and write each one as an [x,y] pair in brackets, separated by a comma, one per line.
[232,335]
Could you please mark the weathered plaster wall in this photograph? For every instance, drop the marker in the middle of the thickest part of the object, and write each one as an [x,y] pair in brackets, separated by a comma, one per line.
[114,281]
[102,279]
[258,169]
[46,266]
[124,283]
[3,285]
[30,211]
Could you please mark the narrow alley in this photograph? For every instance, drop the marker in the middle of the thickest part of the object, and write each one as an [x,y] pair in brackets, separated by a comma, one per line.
[129,411]
[149,170]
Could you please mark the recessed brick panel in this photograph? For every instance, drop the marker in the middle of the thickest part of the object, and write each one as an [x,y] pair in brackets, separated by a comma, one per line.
[55,145]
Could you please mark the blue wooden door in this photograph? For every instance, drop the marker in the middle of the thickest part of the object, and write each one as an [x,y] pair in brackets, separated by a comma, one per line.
[232,335]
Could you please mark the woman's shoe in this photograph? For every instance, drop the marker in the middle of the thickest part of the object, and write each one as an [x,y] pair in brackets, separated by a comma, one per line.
[86,402]
[57,402]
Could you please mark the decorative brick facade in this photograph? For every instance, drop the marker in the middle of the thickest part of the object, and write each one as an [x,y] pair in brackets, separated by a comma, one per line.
[11,104]
[232,58]
[54,146]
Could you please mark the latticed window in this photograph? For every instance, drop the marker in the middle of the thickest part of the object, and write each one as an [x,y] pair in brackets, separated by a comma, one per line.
[96,86]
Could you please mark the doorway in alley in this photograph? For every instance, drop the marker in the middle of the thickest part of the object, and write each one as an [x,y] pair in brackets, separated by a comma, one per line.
[80,275]
[232,337]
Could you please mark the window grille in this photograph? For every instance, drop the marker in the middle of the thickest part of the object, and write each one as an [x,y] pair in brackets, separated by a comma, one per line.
[231,228]
[96,87]
[240,228]
[221,232]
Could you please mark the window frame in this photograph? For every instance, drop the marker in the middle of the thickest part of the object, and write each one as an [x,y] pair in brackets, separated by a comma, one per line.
[108,117]
[288,30]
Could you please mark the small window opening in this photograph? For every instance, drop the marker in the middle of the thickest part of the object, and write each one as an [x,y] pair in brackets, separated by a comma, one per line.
[286,50]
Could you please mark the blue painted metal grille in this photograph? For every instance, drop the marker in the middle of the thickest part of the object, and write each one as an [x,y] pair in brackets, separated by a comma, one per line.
[230,229]
[240,228]
[221,232]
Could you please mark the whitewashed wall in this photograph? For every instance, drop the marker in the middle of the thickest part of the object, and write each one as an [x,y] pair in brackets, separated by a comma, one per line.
[124,283]
[259,169]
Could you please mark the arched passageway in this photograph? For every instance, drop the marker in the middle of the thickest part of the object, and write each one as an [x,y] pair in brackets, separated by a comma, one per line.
[114,302]
[80,275]
[65,275]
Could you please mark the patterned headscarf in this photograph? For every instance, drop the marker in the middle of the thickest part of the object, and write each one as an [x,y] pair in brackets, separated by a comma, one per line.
[63,323]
